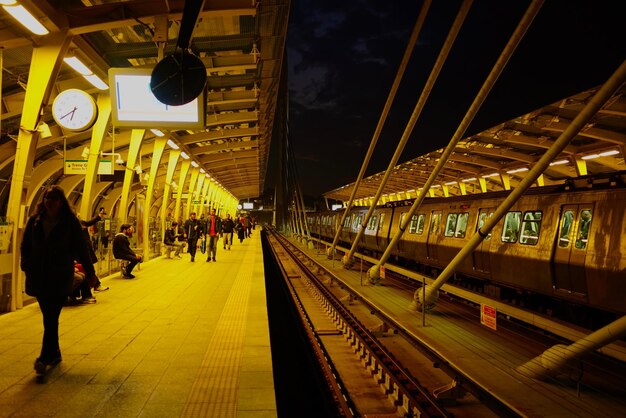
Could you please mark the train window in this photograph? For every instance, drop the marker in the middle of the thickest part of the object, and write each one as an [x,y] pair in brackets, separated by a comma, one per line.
[420,223]
[435,222]
[461,225]
[482,218]
[357,222]
[566,228]
[510,232]
[373,223]
[402,216]
[413,227]
[451,224]
[530,228]
[382,219]
[583,229]
[346,223]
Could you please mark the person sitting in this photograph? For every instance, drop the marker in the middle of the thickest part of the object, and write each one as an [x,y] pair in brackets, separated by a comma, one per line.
[122,250]
[170,241]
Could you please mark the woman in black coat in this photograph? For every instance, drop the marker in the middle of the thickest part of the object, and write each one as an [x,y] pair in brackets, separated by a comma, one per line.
[52,241]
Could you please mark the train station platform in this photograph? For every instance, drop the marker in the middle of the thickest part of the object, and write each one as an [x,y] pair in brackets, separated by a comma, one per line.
[181,339]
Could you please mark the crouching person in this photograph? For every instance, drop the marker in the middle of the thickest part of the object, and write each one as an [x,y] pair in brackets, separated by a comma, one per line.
[122,250]
[170,240]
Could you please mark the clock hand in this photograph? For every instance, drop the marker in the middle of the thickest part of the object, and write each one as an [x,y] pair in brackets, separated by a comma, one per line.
[71,112]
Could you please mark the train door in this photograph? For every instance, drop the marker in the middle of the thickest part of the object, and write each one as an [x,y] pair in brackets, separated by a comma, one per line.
[433,236]
[571,249]
[480,255]
[401,246]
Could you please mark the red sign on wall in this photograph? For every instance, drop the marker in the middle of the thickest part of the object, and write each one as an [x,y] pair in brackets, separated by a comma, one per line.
[488,316]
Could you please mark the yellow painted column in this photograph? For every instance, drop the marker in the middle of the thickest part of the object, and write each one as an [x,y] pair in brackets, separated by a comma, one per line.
[171,168]
[157,154]
[136,137]
[581,166]
[93,161]
[446,190]
[184,169]
[463,188]
[195,172]
[45,63]
[205,192]
[506,181]
[483,184]
[199,207]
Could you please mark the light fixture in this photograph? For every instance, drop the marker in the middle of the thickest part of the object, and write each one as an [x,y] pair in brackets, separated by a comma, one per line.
[172,144]
[469,179]
[44,130]
[157,132]
[490,175]
[517,170]
[608,153]
[202,171]
[451,183]
[600,154]
[83,70]
[174,185]
[119,160]
[559,162]
[23,16]
[184,155]
[195,164]
[85,152]
[138,169]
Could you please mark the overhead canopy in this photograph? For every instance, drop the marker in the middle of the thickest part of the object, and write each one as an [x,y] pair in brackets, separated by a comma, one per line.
[498,158]
[240,42]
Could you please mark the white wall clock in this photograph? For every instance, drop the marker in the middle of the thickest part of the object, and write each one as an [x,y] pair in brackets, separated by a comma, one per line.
[74,110]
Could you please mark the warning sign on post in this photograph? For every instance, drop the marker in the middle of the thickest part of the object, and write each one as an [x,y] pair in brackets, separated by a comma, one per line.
[488,316]
[382,272]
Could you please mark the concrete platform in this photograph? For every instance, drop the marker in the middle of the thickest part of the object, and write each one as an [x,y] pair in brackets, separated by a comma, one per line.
[181,339]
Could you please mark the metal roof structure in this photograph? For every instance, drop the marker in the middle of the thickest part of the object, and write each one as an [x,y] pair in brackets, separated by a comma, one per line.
[497,158]
[240,42]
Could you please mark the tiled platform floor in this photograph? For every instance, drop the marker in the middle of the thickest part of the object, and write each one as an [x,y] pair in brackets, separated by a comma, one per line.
[182,339]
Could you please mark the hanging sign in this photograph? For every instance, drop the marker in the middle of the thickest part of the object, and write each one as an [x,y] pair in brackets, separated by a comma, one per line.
[80,167]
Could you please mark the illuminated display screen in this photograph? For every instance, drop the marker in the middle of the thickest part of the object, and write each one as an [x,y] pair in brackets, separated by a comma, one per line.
[248,205]
[134,106]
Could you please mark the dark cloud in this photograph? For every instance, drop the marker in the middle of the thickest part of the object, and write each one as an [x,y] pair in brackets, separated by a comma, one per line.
[343,57]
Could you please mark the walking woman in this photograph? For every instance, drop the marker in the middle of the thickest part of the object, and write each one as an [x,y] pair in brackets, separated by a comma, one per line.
[52,240]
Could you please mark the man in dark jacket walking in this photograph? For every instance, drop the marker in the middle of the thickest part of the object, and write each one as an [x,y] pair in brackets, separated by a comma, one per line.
[228,227]
[122,250]
[192,231]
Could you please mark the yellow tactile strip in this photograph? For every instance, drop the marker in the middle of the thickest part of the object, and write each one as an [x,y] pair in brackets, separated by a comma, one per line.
[214,391]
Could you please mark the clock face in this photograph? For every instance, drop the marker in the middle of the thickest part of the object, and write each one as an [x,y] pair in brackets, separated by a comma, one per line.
[74,110]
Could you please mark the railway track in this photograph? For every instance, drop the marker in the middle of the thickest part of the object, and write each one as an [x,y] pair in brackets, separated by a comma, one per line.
[404,390]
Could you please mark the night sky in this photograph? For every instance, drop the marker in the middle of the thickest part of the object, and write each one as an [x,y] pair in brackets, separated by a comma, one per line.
[343,57]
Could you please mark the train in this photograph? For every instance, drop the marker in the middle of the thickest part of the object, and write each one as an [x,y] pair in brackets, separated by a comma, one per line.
[560,250]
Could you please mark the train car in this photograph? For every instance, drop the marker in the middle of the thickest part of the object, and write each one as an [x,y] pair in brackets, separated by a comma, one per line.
[566,242]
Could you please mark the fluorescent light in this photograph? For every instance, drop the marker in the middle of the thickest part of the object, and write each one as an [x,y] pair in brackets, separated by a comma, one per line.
[589,157]
[26,18]
[157,132]
[193,163]
[490,175]
[469,179]
[435,186]
[608,153]
[184,155]
[77,65]
[202,171]
[96,82]
[450,183]
[559,162]
[517,170]
[83,70]
[172,144]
